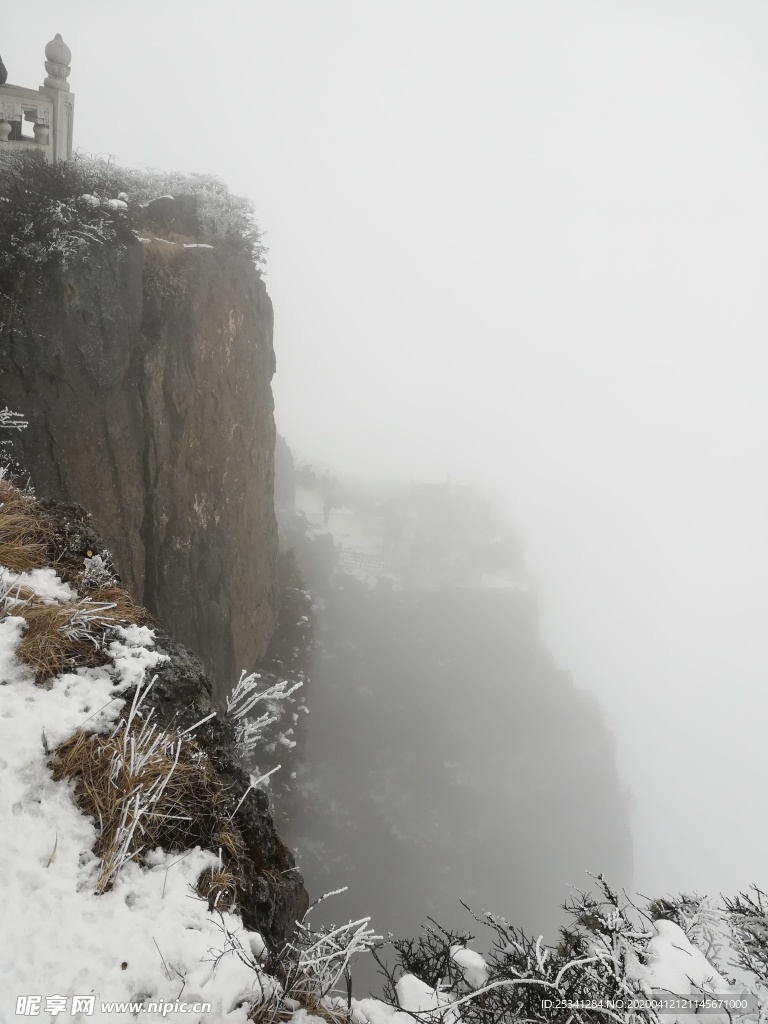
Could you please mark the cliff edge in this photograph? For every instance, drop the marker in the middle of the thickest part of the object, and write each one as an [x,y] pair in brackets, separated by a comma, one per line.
[144,369]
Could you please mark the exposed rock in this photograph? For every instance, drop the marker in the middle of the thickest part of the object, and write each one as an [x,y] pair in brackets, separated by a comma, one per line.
[145,374]
[73,538]
[178,214]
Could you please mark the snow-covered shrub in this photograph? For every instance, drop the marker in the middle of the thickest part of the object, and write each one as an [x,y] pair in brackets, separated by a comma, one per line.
[51,214]
[617,963]
[47,218]
[14,595]
[97,573]
[12,420]
[225,219]
[593,975]
[748,918]
[68,633]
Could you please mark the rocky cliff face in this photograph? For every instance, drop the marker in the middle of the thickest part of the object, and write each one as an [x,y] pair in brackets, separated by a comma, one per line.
[145,376]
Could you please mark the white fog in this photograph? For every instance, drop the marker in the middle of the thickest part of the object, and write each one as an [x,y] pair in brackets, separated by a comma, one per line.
[523,245]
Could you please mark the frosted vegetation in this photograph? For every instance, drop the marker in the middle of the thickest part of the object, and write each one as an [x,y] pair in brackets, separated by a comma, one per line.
[52,214]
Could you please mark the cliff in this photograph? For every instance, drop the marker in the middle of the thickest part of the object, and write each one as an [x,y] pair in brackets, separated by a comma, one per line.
[144,370]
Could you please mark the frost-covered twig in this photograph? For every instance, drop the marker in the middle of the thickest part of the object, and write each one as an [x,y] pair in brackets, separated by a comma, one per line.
[251,733]
[311,966]
[247,694]
[12,420]
[11,591]
[86,616]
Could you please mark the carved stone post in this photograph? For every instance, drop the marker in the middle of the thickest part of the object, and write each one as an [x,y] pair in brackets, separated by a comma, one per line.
[57,65]
[58,55]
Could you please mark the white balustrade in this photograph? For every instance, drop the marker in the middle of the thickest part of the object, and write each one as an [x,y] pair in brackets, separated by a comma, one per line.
[49,110]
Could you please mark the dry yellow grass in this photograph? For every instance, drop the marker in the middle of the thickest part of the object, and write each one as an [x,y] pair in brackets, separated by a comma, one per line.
[219,887]
[108,779]
[16,600]
[126,611]
[25,531]
[47,648]
[64,636]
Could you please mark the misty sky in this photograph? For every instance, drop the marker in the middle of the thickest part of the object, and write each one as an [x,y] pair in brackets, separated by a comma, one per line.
[524,243]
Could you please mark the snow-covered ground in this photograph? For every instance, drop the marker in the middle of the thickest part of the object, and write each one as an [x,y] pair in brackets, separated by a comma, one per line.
[148,939]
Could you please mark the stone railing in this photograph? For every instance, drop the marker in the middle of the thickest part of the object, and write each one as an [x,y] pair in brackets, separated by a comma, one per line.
[40,121]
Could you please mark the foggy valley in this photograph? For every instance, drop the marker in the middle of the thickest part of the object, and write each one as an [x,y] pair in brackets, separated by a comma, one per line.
[405,362]
[444,757]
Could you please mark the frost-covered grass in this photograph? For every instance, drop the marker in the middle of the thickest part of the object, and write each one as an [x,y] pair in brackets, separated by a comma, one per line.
[60,937]
[24,534]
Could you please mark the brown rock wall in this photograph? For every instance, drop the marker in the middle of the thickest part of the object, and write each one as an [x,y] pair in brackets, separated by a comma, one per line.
[145,376]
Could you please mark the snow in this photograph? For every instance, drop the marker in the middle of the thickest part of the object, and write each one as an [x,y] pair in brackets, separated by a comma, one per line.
[676,965]
[60,938]
[197,245]
[473,966]
[374,1011]
[112,204]
[141,238]
[46,584]
[416,996]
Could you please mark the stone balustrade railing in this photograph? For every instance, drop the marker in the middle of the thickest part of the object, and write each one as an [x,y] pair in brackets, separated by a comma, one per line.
[40,120]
